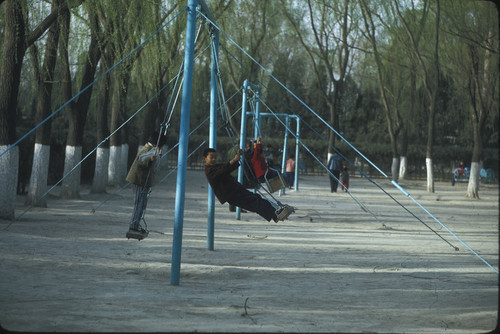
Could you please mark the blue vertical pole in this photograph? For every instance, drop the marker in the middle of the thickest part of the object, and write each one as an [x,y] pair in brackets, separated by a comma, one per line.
[183,143]
[297,145]
[212,135]
[243,135]
[257,118]
[258,121]
[285,150]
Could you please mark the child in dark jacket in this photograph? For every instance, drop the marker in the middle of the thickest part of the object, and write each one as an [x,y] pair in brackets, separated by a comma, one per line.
[227,189]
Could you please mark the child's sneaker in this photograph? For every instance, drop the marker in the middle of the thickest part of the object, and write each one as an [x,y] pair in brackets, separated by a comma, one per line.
[137,234]
[284,212]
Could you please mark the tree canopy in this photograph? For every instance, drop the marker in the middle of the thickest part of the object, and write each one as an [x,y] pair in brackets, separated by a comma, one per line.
[396,78]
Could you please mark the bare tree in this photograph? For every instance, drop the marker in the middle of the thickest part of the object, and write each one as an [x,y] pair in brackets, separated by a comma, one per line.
[77,113]
[332,24]
[126,30]
[44,81]
[250,16]
[473,62]
[382,85]
[430,77]
[100,179]
[484,78]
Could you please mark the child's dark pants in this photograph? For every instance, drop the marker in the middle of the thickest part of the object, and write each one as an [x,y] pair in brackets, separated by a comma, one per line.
[254,203]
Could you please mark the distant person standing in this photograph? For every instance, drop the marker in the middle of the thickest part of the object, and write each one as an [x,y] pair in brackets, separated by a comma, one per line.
[334,166]
[344,178]
[290,171]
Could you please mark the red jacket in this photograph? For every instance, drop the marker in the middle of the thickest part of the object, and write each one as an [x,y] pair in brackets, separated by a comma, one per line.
[258,161]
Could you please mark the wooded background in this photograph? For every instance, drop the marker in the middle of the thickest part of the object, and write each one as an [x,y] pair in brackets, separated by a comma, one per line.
[412,84]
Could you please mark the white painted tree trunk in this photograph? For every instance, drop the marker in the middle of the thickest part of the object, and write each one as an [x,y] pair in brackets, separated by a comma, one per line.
[430,175]
[124,163]
[403,167]
[39,176]
[71,184]
[114,165]
[101,171]
[394,169]
[9,165]
[473,186]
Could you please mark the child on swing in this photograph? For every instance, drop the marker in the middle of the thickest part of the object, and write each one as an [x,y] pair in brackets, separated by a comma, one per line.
[259,163]
[141,175]
[227,189]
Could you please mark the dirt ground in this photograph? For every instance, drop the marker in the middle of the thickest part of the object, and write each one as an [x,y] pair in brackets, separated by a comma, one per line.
[331,267]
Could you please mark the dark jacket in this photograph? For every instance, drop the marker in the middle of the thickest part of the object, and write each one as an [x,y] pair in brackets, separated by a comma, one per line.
[223,184]
[335,162]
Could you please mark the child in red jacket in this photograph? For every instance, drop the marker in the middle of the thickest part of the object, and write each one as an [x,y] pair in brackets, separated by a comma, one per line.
[259,162]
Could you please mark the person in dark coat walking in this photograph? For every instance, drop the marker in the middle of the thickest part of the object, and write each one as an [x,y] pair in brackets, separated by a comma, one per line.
[334,166]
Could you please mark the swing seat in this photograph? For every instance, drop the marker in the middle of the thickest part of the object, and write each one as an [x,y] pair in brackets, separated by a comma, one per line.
[284,212]
[275,183]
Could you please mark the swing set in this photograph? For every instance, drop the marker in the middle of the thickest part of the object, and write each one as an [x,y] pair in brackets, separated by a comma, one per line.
[272,183]
[246,174]
[278,182]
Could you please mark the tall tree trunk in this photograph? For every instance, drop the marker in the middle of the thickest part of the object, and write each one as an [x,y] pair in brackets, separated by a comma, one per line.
[331,134]
[41,155]
[123,105]
[116,168]
[115,140]
[403,160]
[100,180]
[430,145]
[334,57]
[333,106]
[154,112]
[77,113]
[403,163]
[370,27]
[433,94]
[13,50]
[395,168]
[479,111]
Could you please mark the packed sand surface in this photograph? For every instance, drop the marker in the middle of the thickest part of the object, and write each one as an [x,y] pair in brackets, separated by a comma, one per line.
[330,267]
